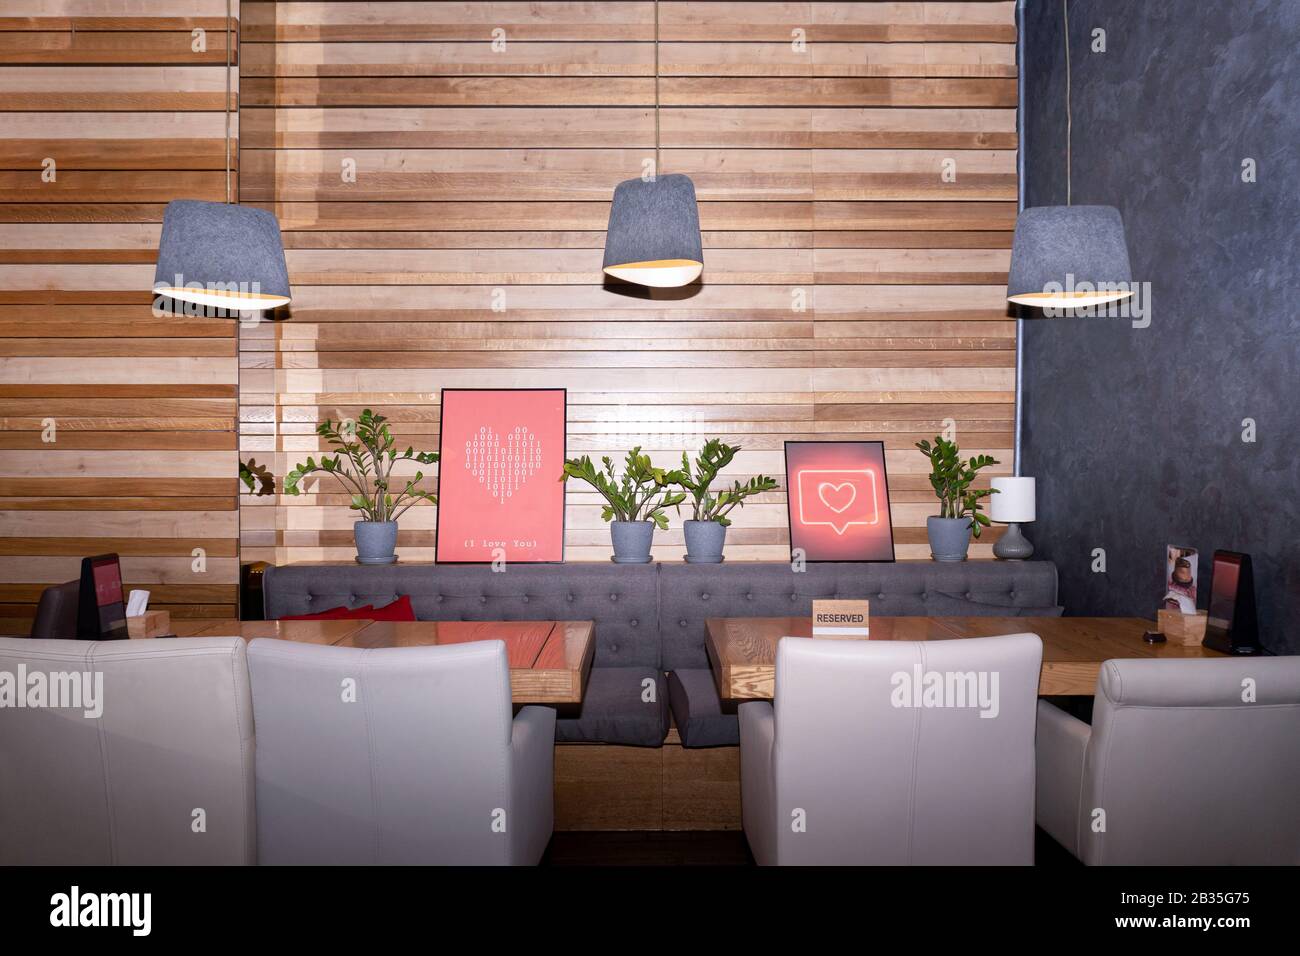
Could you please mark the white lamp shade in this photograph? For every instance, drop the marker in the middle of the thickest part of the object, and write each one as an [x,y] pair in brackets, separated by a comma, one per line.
[1014,500]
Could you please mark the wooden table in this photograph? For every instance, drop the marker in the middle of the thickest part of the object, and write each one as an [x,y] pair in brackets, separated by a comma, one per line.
[549,660]
[743,650]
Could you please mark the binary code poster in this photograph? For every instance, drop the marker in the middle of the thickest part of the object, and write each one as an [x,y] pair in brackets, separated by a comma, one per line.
[500,497]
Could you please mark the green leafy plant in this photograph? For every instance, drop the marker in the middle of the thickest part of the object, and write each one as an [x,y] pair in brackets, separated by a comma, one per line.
[707,506]
[640,494]
[364,464]
[951,479]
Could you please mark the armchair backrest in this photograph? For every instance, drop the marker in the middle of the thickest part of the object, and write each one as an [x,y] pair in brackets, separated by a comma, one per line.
[126,752]
[56,613]
[389,755]
[1193,762]
[900,752]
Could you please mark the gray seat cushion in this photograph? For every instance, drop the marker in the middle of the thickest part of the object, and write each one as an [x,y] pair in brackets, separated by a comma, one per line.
[697,710]
[613,710]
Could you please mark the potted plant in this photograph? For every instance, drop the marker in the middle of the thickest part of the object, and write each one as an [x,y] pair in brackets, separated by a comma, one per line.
[706,531]
[634,503]
[364,464]
[960,511]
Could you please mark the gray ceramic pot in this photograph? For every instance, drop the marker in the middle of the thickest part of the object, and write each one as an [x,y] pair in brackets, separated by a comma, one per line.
[949,538]
[704,541]
[376,541]
[631,541]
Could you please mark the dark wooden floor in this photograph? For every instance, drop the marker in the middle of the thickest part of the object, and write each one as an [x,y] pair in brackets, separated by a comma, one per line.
[701,848]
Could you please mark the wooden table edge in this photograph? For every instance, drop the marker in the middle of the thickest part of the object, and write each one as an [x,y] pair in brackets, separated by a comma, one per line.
[1055,678]
[576,680]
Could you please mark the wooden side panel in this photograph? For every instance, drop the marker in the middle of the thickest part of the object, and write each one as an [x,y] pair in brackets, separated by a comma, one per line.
[701,788]
[604,787]
[117,426]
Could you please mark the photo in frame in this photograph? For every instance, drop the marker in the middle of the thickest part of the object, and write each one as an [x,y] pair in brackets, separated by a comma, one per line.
[837,496]
[1181,573]
[499,491]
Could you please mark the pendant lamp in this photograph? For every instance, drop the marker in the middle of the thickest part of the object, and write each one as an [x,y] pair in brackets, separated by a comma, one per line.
[218,254]
[653,237]
[1061,248]
[654,233]
[227,257]
[1058,249]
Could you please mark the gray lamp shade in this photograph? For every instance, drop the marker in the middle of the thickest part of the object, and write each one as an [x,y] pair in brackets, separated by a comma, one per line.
[228,257]
[654,233]
[1063,247]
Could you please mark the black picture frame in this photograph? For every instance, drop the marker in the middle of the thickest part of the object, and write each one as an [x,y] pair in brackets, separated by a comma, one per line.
[889,515]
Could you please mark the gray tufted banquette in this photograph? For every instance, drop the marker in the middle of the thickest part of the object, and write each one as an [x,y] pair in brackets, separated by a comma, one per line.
[650,618]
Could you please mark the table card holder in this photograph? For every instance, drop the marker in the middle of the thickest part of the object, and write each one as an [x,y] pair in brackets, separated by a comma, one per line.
[841,619]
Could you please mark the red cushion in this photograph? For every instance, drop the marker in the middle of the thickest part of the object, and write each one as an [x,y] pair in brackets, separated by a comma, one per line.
[335,614]
[399,610]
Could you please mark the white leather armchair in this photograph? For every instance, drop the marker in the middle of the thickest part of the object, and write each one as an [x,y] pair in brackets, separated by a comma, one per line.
[401,755]
[850,766]
[153,767]
[1179,767]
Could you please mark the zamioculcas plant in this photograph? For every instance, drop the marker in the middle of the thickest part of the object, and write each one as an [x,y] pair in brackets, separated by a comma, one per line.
[960,511]
[707,506]
[706,533]
[634,502]
[363,464]
[951,480]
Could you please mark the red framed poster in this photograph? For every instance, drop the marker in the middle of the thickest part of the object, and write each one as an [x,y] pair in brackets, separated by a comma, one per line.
[499,489]
[837,496]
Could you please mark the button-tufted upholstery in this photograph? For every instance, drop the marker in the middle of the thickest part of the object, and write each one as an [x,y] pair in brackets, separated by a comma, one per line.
[650,618]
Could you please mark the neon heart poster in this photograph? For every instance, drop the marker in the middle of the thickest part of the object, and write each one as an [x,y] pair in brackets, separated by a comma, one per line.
[499,491]
[838,500]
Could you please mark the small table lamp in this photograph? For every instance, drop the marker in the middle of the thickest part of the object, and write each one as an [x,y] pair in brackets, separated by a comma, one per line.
[1013,503]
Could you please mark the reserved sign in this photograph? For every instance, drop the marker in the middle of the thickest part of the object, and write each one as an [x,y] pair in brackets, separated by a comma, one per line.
[841,619]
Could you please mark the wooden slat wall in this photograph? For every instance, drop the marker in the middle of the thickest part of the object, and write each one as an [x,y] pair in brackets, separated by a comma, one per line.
[483,172]
[144,460]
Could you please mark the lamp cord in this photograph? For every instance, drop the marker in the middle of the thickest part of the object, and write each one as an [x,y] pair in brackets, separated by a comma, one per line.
[1069,119]
[656,89]
[227,103]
